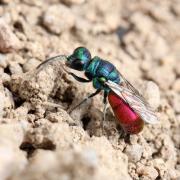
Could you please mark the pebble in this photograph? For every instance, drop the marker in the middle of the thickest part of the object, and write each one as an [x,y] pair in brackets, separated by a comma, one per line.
[160,165]
[134,152]
[149,171]
[152,94]
[31,64]
[15,68]
[5,77]
[36,50]
[163,76]
[15,57]
[157,46]
[60,116]
[3,61]
[8,40]
[142,22]
[58,18]
[9,99]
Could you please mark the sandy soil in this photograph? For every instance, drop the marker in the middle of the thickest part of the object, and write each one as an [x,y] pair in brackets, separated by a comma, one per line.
[39,141]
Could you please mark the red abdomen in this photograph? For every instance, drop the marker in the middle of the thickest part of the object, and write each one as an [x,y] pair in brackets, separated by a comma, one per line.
[130,121]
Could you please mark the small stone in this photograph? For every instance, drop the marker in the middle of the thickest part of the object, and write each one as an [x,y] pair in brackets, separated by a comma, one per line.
[149,171]
[112,20]
[3,61]
[60,116]
[31,64]
[15,57]
[160,165]
[142,22]
[58,18]
[9,100]
[36,50]
[152,94]
[163,76]
[15,68]
[32,18]
[5,77]
[8,40]
[134,152]
[157,46]
[145,65]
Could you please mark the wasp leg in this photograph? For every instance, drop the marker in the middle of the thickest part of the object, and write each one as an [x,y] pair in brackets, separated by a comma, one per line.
[84,100]
[104,109]
[105,105]
[124,135]
[80,79]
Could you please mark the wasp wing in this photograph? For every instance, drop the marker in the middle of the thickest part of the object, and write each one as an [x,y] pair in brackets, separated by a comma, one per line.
[135,100]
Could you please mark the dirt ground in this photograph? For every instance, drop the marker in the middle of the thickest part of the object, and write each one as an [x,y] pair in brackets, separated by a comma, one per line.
[39,141]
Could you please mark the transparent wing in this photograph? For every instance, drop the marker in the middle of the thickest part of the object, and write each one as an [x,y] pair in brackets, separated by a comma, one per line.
[135,100]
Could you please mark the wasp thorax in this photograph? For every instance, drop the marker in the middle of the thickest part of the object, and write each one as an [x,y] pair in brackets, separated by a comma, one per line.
[80,59]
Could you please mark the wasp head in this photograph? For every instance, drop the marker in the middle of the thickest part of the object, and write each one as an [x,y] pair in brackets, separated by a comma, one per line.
[80,59]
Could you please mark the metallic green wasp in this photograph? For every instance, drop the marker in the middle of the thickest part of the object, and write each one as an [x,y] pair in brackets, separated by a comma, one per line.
[129,107]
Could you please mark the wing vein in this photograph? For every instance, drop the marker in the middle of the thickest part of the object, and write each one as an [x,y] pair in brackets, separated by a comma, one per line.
[134,99]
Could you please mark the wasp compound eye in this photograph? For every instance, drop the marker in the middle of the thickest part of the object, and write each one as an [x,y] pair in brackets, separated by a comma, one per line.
[80,59]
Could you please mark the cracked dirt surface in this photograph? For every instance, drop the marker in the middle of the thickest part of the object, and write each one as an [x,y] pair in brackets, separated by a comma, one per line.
[40,141]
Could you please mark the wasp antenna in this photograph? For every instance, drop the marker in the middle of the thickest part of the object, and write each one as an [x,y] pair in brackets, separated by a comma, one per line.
[55,58]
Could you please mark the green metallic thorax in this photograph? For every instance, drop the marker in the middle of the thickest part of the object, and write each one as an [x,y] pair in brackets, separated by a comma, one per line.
[100,71]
